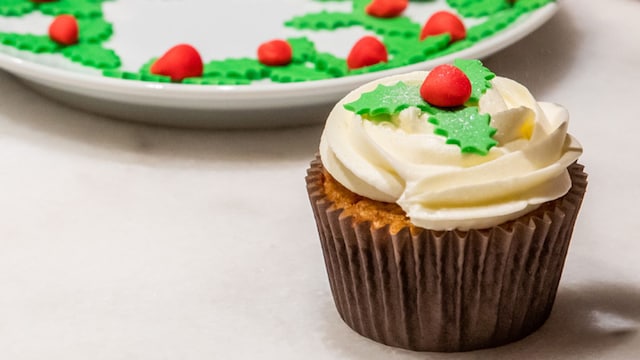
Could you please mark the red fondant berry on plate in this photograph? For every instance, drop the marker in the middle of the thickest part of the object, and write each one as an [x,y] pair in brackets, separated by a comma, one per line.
[64,30]
[181,61]
[386,8]
[367,51]
[446,86]
[442,22]
[275,53]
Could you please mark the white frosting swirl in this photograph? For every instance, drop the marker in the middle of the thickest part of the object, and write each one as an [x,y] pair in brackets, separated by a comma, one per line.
[437,185]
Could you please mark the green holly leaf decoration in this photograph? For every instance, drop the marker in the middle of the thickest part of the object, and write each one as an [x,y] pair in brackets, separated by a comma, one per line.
[331,64]
[401,25]
[215,80]
[250,69]
[389,100]
[478,8]
[360,5]
[453,48]
[39,44]
[77,8]
[466,128]
[323,20]
[146,67]
[376,67]
[463,126]
[528,5]
[93,55]
[415,51]
[493,24]
[479,76]
[15,7]
[296,73]
[94,30]
[141,76]
[303,49]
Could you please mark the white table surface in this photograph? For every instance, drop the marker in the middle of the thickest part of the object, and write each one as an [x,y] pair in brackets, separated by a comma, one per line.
[126,241]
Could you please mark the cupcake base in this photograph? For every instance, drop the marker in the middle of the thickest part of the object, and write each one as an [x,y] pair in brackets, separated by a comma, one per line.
[445,291]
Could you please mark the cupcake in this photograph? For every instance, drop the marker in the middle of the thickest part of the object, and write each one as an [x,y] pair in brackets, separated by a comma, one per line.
[445,202]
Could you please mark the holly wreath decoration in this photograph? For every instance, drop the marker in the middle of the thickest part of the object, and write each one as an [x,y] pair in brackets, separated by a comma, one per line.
[79,31]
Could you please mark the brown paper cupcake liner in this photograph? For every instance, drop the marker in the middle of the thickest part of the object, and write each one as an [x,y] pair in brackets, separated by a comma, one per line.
[446,290]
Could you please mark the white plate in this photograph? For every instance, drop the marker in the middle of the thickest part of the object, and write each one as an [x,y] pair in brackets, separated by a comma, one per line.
[248,106]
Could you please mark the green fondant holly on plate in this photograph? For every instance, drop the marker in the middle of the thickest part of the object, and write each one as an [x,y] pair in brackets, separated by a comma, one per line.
[80,31]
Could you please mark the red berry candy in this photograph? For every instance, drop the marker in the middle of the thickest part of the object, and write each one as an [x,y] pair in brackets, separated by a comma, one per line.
[446,86]
[367,51]
[386,8]
[275,53]
[64,30]
[181,61]
[444,22]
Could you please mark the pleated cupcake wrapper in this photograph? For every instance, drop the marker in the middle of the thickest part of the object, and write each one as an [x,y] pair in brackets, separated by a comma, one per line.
[446,290]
